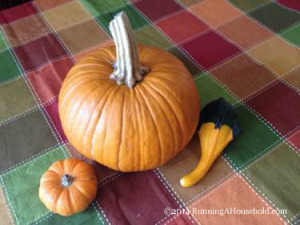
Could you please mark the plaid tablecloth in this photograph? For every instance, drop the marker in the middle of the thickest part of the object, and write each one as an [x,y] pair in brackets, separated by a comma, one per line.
[246,51]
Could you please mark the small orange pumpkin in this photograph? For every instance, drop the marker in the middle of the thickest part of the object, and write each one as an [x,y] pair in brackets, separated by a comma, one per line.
[137,126]
[68,187]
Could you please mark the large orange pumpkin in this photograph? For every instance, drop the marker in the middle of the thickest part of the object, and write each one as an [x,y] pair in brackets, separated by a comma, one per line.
[129,108]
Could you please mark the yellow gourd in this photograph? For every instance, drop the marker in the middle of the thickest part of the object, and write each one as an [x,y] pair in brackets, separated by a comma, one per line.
[218,127]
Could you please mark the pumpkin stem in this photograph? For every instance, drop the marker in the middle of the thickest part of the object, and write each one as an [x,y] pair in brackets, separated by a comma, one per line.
[127,68]
[67,180]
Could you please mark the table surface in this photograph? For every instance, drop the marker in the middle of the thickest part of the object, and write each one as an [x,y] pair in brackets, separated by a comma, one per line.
[245,51]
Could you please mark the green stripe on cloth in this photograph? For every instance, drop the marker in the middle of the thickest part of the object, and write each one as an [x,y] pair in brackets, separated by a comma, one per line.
[256,138]
[90,217]
[292,34]
[247,5]
[210,90]
[190,2]
[22,184]
[3,44]
[273,174]
[150,36]
[96,7]
[275,17]
[15,98]
[8,67]
[136,20]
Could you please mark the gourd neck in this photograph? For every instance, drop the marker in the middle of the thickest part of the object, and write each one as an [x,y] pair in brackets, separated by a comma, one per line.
[127,68]
[67,180]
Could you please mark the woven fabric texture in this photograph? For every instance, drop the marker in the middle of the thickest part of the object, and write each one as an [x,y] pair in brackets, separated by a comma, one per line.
[246,51]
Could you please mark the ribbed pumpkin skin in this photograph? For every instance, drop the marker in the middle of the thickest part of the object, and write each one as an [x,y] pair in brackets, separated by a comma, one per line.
[67,201]
[129,129]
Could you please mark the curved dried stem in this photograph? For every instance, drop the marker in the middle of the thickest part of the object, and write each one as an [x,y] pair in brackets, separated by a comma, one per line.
[127,68]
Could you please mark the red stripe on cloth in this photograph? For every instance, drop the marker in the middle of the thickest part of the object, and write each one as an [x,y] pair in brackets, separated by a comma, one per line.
[294,139]
[176,26]
[52,112]
[180,219]
[36,53]
[210,49]
[47,80]
[280,106]
[135,198]
[17,12]
[155,9]
[292,4]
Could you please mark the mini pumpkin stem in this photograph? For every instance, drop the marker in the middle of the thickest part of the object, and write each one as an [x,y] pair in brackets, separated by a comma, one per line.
[127,68]
[67,180]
